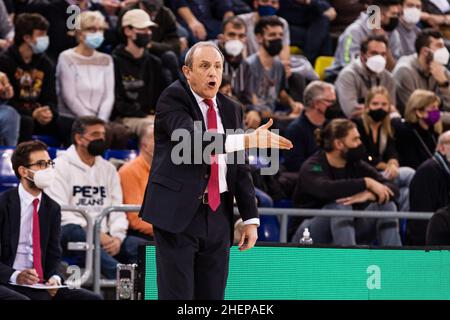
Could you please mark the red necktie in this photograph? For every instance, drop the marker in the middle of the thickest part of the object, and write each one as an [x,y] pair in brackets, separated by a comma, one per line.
[37,262]
[213,183]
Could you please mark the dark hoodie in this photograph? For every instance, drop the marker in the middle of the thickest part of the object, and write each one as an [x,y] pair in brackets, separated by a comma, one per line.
[34,83]
[139,83]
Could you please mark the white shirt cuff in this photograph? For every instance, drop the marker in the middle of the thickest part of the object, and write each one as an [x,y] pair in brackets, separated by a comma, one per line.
[57,278]
[13,278]
[252,221]
[234,142]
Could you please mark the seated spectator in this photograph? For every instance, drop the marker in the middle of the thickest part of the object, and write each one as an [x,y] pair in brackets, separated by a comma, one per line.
[165,42]
[377,137]
[436,14]
[85,78]
[9,118]
[336,178]
[429,190]
[134,178]
[268,80]
[31,74]
[319,96]
[296,80]
[357,78]
[438,231]
[30,225]
[347,11]
[416,135]
[424,70]
[407,28]
[6,28]
[349,42]
[263,8]
[309,25]
[202,18]
[85,179]
[139,80]
[233,44]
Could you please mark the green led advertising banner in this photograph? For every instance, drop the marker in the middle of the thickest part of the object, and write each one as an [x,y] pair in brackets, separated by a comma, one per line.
[317,273]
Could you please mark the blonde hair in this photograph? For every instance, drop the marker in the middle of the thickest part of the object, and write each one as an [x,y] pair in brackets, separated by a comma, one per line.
[418,101]
[386,128]
[88,19]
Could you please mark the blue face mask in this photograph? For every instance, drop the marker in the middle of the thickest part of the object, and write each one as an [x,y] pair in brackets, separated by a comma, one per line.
[94,40]
[267,11]
[41,45]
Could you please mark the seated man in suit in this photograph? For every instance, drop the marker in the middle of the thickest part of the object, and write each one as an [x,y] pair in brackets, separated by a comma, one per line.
[30,224]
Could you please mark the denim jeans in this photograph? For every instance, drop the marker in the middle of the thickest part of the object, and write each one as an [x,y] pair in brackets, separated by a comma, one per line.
[349,231]
[402,181]
[9,125]
[128,250]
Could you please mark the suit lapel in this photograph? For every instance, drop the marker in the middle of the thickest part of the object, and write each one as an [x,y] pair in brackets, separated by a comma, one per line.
[43,222]
[227,120]
[194,104]
[14,218]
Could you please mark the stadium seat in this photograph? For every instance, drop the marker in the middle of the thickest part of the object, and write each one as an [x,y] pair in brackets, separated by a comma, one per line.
[120,154]
[283,203]
[7,177]
[322,63]
[269,229]
[48,140]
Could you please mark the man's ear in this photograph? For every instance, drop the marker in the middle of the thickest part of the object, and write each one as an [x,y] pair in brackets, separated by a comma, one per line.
[259,39]
[186,72]
[338,144]
[220,37]
[127,31]
[27,38]
[22,171]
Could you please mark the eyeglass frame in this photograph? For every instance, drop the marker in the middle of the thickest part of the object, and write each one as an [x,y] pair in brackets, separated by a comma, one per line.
[49,163]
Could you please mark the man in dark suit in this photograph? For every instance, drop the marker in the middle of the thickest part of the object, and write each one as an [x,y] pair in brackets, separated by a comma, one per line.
[190,202]
[30,223]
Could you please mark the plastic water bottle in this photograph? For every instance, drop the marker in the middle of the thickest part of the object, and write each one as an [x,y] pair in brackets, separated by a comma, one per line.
[306,239]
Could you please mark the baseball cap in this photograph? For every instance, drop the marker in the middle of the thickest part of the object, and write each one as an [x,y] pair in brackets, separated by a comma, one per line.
[137,18]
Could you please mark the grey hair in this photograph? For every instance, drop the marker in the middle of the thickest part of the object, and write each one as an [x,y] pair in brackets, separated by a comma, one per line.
[189,59]
[314,90]
[442,137]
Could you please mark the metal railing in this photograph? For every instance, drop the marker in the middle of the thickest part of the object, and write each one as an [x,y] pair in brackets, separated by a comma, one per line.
[283,213]
[89,245]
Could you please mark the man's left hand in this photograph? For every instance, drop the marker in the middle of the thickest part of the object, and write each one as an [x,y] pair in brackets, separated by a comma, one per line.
[249,237]
[52,282]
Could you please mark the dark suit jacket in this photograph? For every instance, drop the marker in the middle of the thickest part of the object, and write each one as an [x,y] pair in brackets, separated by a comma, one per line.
[174,192]
[50,226]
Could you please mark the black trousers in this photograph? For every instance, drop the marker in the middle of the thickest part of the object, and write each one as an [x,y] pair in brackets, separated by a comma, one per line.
[193,264]
[10,292]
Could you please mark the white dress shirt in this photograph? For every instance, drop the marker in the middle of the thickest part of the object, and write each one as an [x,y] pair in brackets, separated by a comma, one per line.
[24,255]
[233,143]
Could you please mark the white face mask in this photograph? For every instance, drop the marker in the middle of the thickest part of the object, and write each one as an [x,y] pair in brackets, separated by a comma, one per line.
[234,47]
[376,63]
[411,15]
[441,56]
[43,178]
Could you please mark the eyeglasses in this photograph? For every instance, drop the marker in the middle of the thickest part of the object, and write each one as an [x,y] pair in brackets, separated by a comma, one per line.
[42,164]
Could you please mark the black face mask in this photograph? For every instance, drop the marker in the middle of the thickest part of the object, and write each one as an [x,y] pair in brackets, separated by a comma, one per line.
[273,47]
[355,154]
[97,147]
[393,23]
[142,40]
[378,115]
